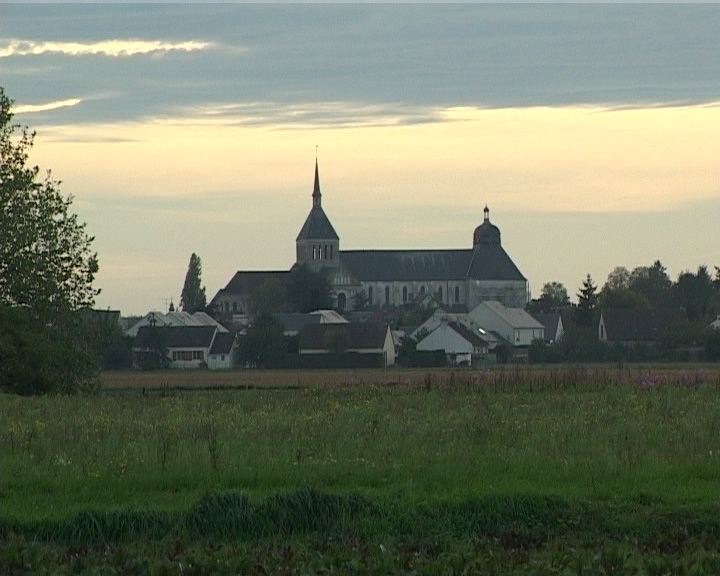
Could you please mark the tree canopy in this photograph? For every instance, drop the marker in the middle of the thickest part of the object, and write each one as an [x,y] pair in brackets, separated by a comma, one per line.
[193,297]
[47,264]
[47,269]
[308,290]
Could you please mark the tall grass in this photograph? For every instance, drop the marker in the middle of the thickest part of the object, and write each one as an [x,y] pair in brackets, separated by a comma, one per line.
[595,434]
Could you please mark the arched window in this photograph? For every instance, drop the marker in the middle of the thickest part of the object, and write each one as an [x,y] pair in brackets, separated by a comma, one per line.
[422,290]
[405,294]
[331,251]
[387,294]
[370,295]
[342,301]
[234,306]
[440,293]
[326,252]
[457,294]
[314,252]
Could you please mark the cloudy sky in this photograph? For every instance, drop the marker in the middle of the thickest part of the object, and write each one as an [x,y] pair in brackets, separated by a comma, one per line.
[591,131]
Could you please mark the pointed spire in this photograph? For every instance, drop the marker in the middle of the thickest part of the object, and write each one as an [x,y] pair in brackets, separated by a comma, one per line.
[317,196]
[486,213]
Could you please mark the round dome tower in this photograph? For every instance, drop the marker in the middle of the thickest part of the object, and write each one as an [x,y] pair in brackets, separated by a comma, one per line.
[486,234]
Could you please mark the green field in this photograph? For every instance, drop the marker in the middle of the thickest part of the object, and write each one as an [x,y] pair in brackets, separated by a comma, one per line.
[462,466]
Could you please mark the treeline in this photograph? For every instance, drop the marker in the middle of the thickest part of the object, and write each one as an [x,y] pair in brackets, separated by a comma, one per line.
[693,300]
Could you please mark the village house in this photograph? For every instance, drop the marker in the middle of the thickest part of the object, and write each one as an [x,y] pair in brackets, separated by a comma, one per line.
[366,338]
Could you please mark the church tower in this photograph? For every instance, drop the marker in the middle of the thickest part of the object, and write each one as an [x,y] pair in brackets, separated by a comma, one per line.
[317,244]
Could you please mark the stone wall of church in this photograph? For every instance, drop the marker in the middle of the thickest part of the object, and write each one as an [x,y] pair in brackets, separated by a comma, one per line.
[512,294]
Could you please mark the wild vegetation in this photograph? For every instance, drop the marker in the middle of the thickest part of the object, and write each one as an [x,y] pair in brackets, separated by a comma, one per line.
[512,471]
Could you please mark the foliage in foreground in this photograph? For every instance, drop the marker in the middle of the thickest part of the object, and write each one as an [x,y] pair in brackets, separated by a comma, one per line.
[311,533]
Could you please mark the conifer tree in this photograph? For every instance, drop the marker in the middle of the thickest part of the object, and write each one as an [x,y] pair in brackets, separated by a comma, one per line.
[587,302]
[193,294]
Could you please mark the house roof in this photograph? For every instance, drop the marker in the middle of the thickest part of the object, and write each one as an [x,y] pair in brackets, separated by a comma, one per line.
[637,325]
[485,262]
[468,334]
[244,282]
[174,319]
[515,317]
[550,321]
[223,343]
[296,321]
[359,336]
[176,336]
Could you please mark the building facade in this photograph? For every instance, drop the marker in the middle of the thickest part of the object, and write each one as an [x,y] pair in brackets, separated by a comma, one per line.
[455,277]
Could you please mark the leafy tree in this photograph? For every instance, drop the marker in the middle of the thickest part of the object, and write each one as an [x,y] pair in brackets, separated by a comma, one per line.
[262,343]
[587,303]
[694,293]
[653,283]
[554,297]
[268,297]
[46,261]
[308,290]
[622,298]
[193,298]
[40,361]
[47,269]
[618,279]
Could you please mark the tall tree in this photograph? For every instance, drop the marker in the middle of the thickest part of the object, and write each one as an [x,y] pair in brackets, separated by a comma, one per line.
[47,265]
[47,268]
[587,302]
[193,298]
[694,293]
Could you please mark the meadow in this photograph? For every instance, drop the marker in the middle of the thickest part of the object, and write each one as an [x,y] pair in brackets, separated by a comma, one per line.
[515,464]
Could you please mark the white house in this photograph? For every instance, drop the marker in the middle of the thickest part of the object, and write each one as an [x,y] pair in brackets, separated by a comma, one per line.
[461,344]
[184,346]
[514,325]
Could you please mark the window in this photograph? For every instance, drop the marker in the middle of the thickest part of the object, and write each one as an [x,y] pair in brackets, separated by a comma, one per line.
[370,295]
[234,306]
[341,301]
[440,293]
[185,355]
[331,251]
[326,251]
[198,355]
[422,290]
[457,294]
[405,295]
[387,294]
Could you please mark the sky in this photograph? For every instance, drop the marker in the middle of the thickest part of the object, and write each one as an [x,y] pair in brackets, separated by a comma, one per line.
[592,132]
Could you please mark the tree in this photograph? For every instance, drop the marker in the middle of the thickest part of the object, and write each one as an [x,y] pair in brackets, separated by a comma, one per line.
[587,303]
[193,298]
[46,262]
[47,269]
[653,283]
[308,290]
[268,297]
[694,293]
[554,297]
[618,279]
[262,343]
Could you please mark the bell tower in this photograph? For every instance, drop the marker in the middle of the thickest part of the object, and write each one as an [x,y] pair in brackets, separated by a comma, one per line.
[317,245]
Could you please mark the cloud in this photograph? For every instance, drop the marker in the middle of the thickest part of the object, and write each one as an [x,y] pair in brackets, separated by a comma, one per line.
[115,48]
[335,114]
[30,108]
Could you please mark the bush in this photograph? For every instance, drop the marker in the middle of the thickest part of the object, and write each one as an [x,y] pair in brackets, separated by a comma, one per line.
[38,358]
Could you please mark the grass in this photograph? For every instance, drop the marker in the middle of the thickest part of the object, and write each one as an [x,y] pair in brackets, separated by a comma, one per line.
[539,459]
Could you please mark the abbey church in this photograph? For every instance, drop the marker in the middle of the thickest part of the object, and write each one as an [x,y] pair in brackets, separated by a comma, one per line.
[455,277]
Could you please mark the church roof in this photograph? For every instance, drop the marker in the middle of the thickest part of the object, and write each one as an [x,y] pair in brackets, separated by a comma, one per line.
[317,226]
[487,262]
[244,282]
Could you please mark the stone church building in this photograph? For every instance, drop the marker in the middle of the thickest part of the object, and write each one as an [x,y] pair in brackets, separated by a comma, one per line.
[454,277]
